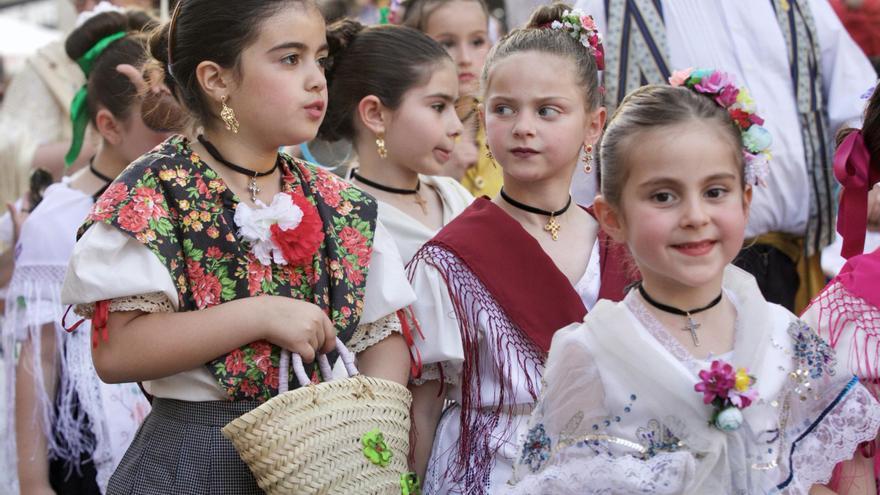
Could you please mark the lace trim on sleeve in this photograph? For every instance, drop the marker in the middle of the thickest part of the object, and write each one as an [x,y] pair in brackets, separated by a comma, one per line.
[154,302]
[432,371]
[855,419]
[370,334]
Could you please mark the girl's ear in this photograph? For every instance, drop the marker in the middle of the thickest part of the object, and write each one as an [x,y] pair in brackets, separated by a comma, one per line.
[373,114]
[747,200]
[595,125]
[108,127]
[215,81]
[610,219]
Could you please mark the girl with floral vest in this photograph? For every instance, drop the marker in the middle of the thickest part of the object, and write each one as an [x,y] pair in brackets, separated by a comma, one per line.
[213,252]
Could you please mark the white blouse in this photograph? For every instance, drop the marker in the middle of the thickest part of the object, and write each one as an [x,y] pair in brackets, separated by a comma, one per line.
[107,264]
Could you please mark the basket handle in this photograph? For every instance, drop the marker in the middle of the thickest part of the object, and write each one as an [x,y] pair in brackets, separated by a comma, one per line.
[288,358]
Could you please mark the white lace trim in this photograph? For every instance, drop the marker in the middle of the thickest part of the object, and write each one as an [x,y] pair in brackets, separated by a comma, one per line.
[154,302]
[431,372]
[370,334]
[661,333]
[834,439]
[661,474]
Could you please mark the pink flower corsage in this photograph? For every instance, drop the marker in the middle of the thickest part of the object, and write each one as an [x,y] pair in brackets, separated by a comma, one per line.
[288,231]
[729,391]
[738,103]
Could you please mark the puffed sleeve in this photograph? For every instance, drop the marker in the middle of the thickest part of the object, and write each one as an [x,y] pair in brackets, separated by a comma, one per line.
[439,342]
[107,264]
[387,292]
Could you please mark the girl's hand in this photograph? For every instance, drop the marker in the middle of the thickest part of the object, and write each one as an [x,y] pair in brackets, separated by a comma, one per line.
[297,326]
[18,217]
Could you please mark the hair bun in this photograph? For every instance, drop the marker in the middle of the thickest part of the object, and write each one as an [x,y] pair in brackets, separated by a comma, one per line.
[546,14]
[83,38]
[341,34]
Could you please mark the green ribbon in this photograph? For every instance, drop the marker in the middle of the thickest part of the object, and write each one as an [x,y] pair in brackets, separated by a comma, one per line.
[79,114]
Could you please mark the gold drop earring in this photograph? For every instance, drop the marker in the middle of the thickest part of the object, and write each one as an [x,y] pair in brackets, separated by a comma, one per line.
[380,146]
[588,158]
[227,115]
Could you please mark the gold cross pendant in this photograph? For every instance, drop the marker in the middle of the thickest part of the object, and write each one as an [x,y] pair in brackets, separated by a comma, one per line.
[421,202]
[553,227]
[254,189]
[692,327]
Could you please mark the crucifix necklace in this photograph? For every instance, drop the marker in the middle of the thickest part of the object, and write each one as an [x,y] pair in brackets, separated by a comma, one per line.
[252,187]
[691,325]
[552,225]
[394,190]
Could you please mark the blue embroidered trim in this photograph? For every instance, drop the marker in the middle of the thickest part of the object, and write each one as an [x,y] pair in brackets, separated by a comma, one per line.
[849,386]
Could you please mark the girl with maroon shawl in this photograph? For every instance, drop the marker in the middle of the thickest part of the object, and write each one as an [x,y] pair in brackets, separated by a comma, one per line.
[494,285]
[847,312]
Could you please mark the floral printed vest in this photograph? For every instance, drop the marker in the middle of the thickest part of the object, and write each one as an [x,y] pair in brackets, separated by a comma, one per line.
[179,208]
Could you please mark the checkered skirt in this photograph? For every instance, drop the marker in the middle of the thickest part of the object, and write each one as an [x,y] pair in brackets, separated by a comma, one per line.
[179,449]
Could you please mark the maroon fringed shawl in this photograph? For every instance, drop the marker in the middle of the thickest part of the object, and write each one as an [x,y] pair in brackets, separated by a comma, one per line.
[492,266]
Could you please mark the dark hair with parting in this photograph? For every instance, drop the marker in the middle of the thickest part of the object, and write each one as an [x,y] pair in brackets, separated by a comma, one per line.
[215,30]
[385,61]
[536,36]
[656,107]
[418,12]
[107,87]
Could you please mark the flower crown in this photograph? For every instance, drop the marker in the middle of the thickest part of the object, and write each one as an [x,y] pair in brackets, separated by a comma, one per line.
[741,108]
[582,27]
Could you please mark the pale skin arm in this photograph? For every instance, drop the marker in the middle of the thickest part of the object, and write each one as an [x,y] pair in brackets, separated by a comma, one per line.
[426,411]
[388,359]
[33,456]
[857,476]
[147,346]
[50,157]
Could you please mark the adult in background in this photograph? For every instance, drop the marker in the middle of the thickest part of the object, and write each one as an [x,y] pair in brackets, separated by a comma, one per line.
[804,70]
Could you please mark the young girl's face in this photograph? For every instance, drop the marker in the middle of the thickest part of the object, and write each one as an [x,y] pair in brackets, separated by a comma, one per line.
[461,26]
[683,208]
[423,129]
[281,94]
[536,119]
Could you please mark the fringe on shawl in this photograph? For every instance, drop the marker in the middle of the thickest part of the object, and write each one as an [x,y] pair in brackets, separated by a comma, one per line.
[472,461]
[70,420]
[840,311]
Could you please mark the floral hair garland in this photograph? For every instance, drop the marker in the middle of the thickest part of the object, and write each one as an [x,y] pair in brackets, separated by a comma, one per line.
[582,27]
[741,108]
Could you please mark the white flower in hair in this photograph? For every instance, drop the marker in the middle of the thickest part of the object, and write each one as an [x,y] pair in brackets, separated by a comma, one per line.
[581,27]
[101,8]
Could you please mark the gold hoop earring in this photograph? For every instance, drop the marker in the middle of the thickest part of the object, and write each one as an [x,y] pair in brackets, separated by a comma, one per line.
[588,158]
[380,146]
[227,115]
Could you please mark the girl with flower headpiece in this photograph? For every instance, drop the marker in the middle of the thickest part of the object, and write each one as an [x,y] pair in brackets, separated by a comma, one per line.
[847,312]
[496,282]
[213,253]
[462,28]
[70,430]
[693,383]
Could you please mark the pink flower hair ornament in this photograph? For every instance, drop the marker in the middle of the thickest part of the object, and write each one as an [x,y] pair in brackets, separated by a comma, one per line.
[741,108]
[582,27]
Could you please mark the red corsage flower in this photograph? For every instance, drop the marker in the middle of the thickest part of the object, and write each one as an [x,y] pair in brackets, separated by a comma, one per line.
[299,244]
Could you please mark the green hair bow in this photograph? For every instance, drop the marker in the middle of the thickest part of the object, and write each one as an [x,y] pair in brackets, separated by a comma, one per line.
[79,114]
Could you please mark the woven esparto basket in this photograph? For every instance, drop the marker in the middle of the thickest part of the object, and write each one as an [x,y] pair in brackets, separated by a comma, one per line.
[309,440]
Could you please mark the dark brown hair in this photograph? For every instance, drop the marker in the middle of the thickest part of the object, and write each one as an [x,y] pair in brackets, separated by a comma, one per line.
[418,12]
[106,86]
[385,61]
[870,127]
[536,36]
[655,107]
[215,30]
